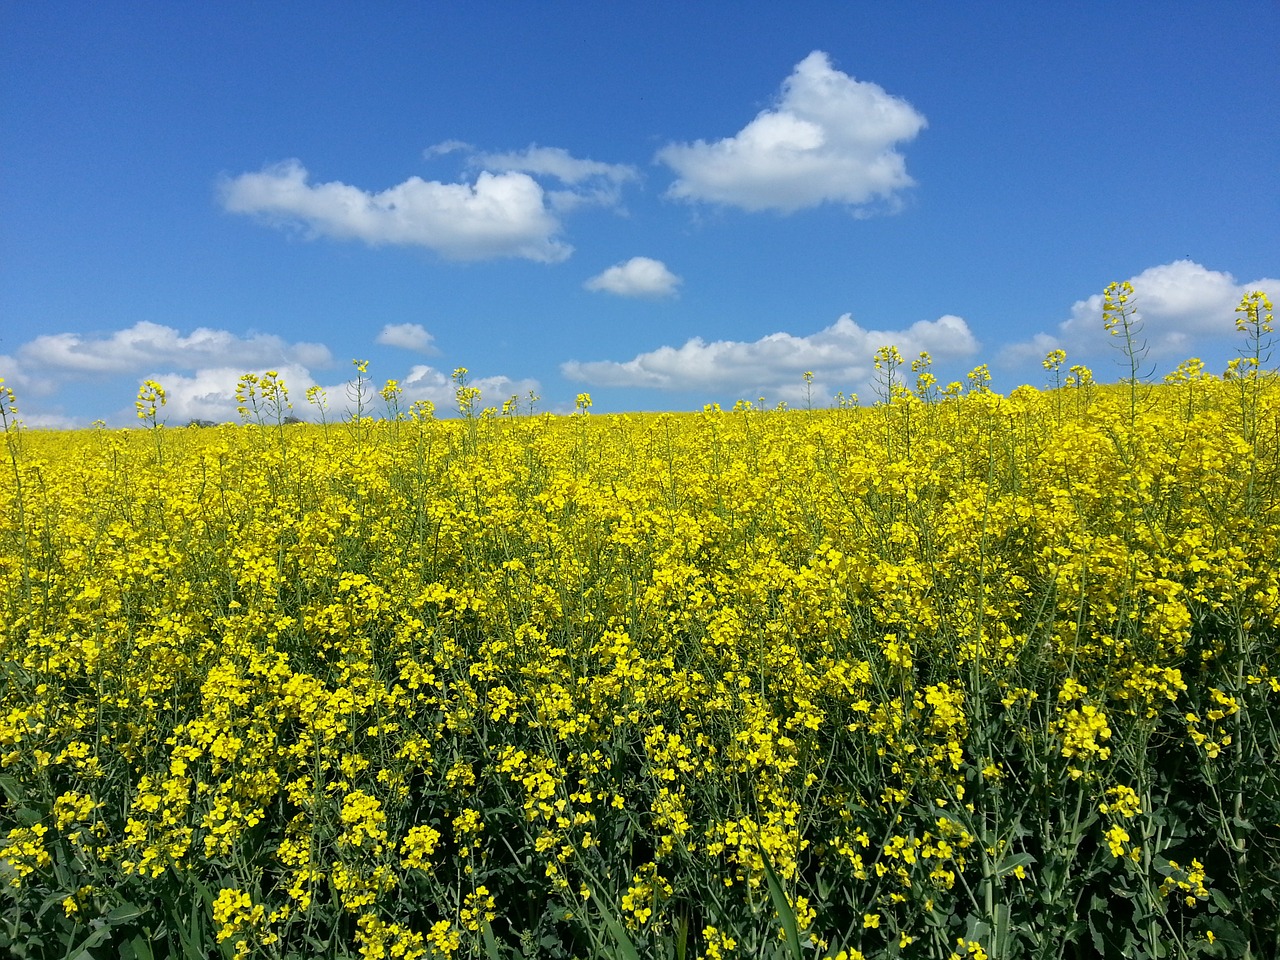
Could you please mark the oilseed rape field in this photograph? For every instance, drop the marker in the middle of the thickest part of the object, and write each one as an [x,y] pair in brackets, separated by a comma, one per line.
[948,674]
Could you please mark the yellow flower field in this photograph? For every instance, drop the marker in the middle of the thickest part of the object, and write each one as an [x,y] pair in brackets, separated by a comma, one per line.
[952,675]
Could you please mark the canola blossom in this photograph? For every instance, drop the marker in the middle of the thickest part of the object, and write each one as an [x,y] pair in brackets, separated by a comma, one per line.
[955,675]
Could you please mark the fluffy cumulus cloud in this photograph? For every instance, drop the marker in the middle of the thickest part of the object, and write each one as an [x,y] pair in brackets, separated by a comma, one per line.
[499,215]
[150,346]
[200,372]
[840,357]
[209,393]
[637,277]
[828,139]
[1181,306]
[407,336]
[16,378]
[199,369]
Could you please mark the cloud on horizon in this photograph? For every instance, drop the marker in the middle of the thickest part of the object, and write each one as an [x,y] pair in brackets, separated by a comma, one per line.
[641,277]
[209,393]
[148,346]
[840,357]
[424,382]
[829,138]
[200,371]
[1181,305]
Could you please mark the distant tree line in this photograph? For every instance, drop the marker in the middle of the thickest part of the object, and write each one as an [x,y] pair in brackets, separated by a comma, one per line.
[197,422]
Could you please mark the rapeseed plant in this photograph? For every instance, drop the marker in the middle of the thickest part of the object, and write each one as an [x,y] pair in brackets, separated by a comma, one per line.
[955,676]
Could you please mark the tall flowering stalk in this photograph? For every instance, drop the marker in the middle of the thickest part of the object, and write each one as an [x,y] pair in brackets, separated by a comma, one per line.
[151,398]
[1120,319]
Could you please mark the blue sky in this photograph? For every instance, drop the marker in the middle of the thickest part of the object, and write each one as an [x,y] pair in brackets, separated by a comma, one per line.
[661,204]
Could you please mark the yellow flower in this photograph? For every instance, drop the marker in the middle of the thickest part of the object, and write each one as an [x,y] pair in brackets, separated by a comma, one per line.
[235,913]
[418,846]
[1117,837]
[717,944]
[24,852]
[1124,803]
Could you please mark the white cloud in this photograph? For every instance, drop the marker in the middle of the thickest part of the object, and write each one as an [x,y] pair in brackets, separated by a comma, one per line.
[556,162]
[209,393]
[427,383]
[1028,351]
[637,277]
[839,356]
[16,379]
[829,138]
[421,382]
[49,421]
[147,346]
[200,373]
[589,182]
[407,336]
[447,147]
[1180,305]
[499,215]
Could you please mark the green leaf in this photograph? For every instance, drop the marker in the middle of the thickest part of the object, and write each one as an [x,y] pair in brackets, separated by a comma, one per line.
[1229,935]
[977,929]
[783,907]
[616,929]
[124,913]
[1221,901]
[1072,931]
[61,874]
[1013,862]
[189,938]
[97,935]
[490,944]
[12,789]
[52,900]
[682,937]
[1098,909]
